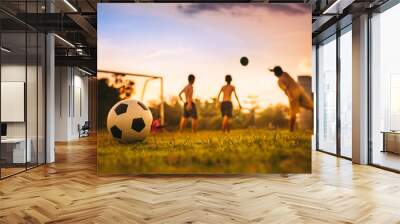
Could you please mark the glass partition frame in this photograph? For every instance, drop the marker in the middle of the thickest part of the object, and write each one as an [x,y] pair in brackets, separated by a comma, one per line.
[29,54]
[335,149]
[375,73]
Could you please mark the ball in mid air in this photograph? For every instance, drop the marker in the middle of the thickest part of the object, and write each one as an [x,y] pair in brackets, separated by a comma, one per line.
[129,121]
[244,61]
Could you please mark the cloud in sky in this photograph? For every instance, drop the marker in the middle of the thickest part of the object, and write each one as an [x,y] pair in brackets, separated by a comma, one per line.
[166,53]
[163,39]
[236,9]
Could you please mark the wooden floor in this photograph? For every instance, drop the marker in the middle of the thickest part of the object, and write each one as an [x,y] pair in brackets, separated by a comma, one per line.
[5,172]
[69,191]
[387,159]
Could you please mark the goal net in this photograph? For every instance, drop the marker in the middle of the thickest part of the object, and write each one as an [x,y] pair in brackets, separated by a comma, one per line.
[144,87]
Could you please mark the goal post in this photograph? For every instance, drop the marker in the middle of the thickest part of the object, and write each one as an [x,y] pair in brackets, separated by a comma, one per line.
[148,78]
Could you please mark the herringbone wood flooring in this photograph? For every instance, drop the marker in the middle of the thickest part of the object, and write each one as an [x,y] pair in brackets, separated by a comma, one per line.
[69,191]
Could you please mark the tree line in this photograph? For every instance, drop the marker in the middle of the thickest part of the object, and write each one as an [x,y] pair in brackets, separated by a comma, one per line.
[274,116]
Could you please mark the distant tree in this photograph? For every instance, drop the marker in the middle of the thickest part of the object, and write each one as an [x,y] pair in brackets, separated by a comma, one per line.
[107,97]
[252,100]
[173,113]
[125,86]
[274,116]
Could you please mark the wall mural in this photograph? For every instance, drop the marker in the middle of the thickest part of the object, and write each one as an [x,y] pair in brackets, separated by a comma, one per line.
[204,88]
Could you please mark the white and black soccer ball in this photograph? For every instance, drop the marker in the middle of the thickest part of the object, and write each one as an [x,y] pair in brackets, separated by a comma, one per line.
[129,121]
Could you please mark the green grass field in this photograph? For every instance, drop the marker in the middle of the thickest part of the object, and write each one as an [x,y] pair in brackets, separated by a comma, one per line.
[208,152]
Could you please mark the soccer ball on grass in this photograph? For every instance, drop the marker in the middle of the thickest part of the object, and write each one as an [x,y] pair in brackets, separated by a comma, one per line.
[129,121]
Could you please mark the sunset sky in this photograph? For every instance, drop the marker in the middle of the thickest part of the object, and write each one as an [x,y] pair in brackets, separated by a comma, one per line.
[208,40]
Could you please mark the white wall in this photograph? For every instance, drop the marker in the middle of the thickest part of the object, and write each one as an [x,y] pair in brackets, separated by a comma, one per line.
[33,127]
[14,73]
[80,112]
[71,102]
[61,103]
